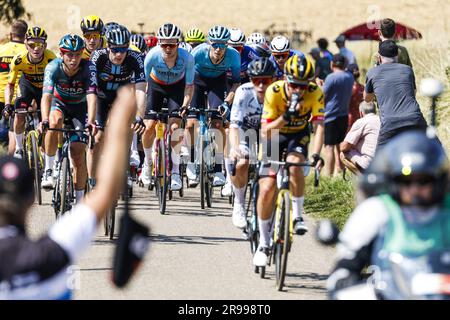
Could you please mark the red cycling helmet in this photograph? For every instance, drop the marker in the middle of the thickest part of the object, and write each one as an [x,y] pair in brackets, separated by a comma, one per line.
[151,41]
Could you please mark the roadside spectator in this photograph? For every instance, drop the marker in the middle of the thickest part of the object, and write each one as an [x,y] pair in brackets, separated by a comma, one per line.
[360,143]
[322,66]
[349,56]
[387,32]
[322,43]
[338,91]
[393,85]
[357,96]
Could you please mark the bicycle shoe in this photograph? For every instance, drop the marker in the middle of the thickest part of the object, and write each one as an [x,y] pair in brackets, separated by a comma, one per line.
[300,227]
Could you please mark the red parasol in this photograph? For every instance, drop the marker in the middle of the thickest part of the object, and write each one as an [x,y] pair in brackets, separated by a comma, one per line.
[369,31]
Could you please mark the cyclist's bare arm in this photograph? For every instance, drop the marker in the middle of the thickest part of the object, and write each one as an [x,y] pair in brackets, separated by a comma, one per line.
[188,92]
[230,96]
[318,136]
[92,107]
[9,93]
[111,168]
[266,128]
[140,98]
[46,102]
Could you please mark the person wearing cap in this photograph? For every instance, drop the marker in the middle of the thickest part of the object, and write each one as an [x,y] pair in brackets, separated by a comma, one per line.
[322,66]
[394,86]
[41,269]
[349,56]
[357,96]
[338,91]
[387,32]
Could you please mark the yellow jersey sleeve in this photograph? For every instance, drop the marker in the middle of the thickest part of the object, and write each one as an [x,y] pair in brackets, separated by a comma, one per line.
[15,67]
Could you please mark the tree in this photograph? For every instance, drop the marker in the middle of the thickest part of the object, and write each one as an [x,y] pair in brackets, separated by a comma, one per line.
[11,10]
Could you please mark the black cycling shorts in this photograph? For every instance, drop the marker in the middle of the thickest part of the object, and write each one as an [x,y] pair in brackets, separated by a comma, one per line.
[216,89]
[75,115]
[335,131]
[104,103]
[156,93]
[28,92]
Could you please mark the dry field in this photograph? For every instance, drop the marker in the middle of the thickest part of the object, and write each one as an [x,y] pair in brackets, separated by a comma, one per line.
[324,18]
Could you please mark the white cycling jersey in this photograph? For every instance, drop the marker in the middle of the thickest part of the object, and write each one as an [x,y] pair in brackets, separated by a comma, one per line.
[246,110]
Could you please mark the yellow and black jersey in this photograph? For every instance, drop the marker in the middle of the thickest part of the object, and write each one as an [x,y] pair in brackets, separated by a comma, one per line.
[33,72]
[276,102]
[7,52]
[87,53]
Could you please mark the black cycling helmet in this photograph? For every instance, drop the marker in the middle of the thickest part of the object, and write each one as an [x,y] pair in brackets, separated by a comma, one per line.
[139,41]
[16,179]
[261,67]
[118,36]
[413,153]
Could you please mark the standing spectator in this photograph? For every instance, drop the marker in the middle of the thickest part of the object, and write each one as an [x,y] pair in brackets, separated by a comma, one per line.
[322,66]
[357,96]
[387,32]
[349,56]
[338,91]
[359,145]
[393,84]
[323,46]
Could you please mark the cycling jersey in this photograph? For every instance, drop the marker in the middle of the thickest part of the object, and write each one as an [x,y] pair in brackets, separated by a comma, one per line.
[279,73]
[276,102]
[32,72]
[158,71]
[87,54]
[43,269]
[110,76]
[71,90]
[248,54]
[206,69]
[246,110]
[7,53]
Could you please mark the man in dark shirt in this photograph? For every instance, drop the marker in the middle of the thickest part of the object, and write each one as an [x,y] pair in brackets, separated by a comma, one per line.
[394,86]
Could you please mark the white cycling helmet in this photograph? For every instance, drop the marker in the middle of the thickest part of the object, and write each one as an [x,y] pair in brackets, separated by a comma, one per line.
[237,37]
[280,44]
[256,38]
[169,31]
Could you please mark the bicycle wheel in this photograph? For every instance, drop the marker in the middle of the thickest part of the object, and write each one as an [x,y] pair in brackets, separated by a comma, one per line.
[162,177]
[282,241]
[202,174]
[209,168]
[36,167]
[65,186]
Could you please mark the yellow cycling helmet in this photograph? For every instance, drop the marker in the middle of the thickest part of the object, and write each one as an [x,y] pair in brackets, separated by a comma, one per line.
[299,69]
[36,33]
[91,23]
[195,35]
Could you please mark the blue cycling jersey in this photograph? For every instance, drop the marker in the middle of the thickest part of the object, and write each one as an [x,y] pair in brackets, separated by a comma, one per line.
[157,70]
[205,68]
[248,54]
[279,73]
[67,89]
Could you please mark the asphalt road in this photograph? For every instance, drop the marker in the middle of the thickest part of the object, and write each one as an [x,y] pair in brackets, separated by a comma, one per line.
[194,254]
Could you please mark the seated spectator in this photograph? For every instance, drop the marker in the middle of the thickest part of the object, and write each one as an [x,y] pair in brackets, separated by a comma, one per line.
[357,96]
[358,147]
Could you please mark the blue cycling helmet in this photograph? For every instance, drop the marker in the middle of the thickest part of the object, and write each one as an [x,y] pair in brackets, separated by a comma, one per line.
[219,33]
[71,42]
[118,36]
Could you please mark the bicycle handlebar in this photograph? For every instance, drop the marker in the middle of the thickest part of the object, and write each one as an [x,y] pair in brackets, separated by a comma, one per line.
[303,164]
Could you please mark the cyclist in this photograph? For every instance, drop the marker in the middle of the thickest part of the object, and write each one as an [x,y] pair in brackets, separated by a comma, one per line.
[92,28]
[212,61]
[256,38]
[115,66]
[7,52]
[169,71]
[281,51]
[152,41]
[293,137]
[194,37]
[237,41]
[410,217]
[32,64]
[41,269]
[69,94]
[137,42]
[246,116]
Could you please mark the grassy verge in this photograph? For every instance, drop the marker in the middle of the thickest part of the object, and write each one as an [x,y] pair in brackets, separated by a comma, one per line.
[333,199]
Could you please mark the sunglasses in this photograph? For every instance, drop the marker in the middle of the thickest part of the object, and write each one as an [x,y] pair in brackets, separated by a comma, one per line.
[168,45]
[217,45]
[264,81]
[280,55]
[301,86]
[118,49]
[34,45]
[421,181]
[92,36]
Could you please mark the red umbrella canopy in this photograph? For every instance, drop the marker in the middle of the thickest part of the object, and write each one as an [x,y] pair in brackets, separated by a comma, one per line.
[369,31]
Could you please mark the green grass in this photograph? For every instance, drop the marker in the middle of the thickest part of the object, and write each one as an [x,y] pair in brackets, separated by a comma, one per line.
[334,199]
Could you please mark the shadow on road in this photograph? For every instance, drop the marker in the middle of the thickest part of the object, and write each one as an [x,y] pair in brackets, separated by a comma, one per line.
[171,240]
